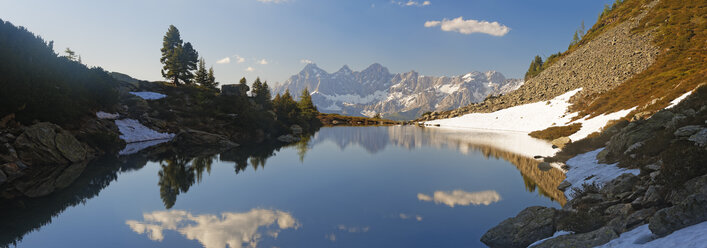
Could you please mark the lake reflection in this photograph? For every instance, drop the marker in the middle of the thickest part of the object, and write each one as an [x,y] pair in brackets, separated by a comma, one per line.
[344,186]
[212,231]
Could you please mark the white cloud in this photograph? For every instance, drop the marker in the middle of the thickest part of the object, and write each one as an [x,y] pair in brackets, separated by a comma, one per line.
[306,61]
[411,3]
[239,59]
[233,229]
[462,198]
[470,26]
[250,68]
[263,62]
[225,60]
[273,1]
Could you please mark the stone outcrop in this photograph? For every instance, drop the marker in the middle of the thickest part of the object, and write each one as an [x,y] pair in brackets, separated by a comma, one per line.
[530,225]
[46,143]
[688,210]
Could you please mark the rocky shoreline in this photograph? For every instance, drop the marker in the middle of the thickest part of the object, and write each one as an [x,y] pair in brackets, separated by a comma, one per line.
[669,193]
[38,159]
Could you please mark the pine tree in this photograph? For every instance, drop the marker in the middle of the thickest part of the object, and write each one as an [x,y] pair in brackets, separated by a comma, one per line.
[201,76]
[256,87]
[71,55]
[575,38]
[535,67]
[305,103]
[188,59]
[244,86]
[171,47]
[211,79]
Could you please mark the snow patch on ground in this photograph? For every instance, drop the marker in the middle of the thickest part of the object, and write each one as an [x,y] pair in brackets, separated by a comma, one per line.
[132,131]
[105,115]
[585,165]
[557,234]
[532,117]
[524,118]
[148,95]
[691,236]
[595,124]
[678,100]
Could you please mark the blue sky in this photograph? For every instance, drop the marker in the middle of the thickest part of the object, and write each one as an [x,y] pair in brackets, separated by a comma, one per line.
[272,38]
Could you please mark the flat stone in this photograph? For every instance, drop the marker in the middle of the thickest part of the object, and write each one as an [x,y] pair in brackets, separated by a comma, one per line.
[687,130]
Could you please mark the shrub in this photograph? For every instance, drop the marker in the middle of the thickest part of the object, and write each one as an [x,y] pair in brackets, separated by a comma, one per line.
[552,133]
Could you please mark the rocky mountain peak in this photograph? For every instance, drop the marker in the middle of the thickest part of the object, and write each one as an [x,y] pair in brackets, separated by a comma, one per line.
[403,95]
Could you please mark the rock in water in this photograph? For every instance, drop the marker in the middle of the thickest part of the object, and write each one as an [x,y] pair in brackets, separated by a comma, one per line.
[530,225]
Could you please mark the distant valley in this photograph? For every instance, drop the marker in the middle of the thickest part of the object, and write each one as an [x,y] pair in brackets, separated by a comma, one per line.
[400,96]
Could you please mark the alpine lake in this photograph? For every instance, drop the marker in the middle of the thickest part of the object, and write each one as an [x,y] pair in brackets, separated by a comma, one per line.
[397,186]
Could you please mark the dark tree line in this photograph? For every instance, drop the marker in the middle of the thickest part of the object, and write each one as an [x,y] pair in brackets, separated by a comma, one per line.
[37,84]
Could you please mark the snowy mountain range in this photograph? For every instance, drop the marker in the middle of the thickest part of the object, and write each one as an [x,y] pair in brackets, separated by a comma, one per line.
[395,96]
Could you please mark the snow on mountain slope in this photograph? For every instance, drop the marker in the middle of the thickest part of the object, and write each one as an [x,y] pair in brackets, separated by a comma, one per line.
[532,117]
[401,96]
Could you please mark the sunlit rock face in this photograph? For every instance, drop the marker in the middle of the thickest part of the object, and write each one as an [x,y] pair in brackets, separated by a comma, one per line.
[461,198]
[213,231]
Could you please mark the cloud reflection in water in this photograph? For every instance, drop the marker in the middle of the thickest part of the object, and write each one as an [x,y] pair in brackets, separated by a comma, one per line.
[233,229]
[461,198]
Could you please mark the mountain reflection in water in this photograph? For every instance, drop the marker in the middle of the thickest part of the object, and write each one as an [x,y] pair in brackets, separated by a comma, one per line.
[177,171]
[516,148]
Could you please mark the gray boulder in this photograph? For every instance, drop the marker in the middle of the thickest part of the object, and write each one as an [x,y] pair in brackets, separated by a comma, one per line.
[700,138]
[594,238]
[687,131]
[690,211]
[530,225]
[46,143]
[296,129]
[622,184]
[633,133]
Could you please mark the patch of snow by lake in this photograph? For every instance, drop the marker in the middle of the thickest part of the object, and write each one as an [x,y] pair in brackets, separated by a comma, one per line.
[523,118]
[586,165]
[678,100]
[691,236]
[105,115]
[557,234]
[132,131]
[148,95]
[132,148]
[533,117]
[595,124]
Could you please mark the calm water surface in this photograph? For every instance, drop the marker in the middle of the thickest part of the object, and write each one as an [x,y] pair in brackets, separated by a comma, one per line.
[343,187]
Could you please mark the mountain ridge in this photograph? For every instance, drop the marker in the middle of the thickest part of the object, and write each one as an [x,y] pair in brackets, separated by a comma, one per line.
[375,90]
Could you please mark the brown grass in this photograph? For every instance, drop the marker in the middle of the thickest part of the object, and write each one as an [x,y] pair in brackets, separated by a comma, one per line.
[552,133]
[680,67]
